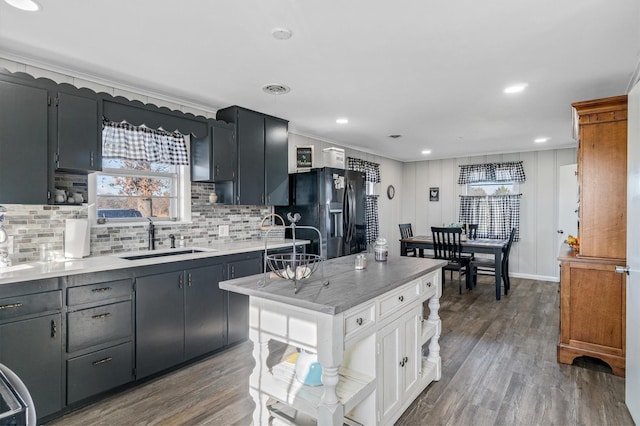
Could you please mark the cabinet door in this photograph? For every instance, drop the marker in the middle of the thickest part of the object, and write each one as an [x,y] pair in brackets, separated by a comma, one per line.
[276,158]
[238,306]
[206,313]
[411,350]
[225,157]
[250,142]
[23,130]
[32,349]
[214,157]
[390,369]
[78,134]
[159,322]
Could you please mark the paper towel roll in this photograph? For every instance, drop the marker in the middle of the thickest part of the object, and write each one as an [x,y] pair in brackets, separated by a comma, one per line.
[76,238]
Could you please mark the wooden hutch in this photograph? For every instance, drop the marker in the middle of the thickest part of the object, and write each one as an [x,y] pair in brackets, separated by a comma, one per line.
[592,294]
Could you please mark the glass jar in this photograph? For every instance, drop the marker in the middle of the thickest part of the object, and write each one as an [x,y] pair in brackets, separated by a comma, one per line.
[381,250]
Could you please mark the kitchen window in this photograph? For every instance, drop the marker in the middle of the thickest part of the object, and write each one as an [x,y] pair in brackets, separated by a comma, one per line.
[145,174]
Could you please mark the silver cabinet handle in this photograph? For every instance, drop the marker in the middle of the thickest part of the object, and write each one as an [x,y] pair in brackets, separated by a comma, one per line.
[101,290]
[101,316]
[11,306]
[103,361]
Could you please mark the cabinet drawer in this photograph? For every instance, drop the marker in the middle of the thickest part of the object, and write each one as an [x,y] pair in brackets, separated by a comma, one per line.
[99,371]
[98,292]
[102,324]
[403,297]
[430,285]
[18,306]
[359,319]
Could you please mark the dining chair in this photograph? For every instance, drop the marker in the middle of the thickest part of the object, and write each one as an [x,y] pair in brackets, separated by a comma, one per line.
[447,246]
[487,266]
[406,232]
[473,230]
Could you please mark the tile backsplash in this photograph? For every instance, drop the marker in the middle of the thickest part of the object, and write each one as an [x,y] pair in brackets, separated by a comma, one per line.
[32,225]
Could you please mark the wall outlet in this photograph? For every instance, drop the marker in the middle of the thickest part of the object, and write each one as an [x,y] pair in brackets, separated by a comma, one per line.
[223,230]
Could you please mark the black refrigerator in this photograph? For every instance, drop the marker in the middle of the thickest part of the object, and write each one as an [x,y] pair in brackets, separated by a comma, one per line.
[332,200]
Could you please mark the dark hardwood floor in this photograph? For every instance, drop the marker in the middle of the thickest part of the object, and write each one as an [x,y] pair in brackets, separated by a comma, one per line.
[499,368]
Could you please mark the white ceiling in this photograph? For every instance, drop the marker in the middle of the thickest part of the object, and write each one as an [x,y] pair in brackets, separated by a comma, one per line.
[431,71]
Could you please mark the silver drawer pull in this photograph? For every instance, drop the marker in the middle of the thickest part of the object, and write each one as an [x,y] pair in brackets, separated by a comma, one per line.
[103,361]
[101,290]
[11,306]
[359,321]
[101,316]
[429,284]
[401,298]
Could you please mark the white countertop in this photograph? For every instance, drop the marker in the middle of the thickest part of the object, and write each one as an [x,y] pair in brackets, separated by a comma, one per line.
[64,267]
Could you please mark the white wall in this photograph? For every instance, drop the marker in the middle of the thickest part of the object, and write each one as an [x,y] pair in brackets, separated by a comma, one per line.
[534,256]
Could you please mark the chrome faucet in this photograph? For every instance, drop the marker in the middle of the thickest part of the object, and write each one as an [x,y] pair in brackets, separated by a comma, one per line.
[152,235]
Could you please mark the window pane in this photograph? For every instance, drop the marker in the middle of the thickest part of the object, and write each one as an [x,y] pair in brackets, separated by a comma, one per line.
[133,186]
[117,163]
[133,207]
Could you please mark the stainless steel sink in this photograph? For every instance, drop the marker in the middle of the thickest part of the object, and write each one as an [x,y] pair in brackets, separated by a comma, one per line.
[162,254]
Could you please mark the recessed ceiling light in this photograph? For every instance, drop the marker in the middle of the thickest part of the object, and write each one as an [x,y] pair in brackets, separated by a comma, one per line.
[516,88]
[281,33]
[342,120]
[395,136]
[28,5]
[276,89]
[426,152]
[540,140]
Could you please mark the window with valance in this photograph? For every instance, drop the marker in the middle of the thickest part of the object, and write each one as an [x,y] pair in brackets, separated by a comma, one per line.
[497,212]
[143,174]
[512,171]
[372,173]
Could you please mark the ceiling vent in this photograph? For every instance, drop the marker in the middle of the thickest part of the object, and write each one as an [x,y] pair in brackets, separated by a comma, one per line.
[276,89]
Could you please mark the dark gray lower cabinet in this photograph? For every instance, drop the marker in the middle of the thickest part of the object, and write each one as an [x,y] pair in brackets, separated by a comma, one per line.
[99,334]
[32,348]
[238,318]
[98,371]
[179,315]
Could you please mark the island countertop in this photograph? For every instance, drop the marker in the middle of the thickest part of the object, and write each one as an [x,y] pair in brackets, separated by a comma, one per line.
[348,287]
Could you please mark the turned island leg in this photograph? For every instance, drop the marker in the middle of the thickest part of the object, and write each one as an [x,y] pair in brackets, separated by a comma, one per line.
[434,345]
[260,355]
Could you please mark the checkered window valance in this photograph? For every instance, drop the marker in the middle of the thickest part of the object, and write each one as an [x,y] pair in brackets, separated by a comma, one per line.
[125,141]
[511,171]
[494,214]
[372,170]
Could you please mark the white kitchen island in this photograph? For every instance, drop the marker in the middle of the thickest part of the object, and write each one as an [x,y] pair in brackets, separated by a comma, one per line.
[375,332]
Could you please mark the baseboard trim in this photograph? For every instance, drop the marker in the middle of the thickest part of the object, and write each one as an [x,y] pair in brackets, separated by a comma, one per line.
[534,277]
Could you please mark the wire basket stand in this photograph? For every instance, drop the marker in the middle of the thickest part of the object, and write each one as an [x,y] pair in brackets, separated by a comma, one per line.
[291,266]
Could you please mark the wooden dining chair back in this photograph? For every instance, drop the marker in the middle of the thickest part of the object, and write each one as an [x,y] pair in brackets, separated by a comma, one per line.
[487,266]
[406,232]
[473,230]
[447,245]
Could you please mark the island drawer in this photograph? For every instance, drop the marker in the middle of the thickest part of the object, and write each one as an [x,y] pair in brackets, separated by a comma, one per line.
[430,285]
[358,319]
[89,327]
[29,304]
[402,297]
[98,292]
[99,371]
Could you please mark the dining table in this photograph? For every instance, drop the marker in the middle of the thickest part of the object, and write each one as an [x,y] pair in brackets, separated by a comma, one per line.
[480,245]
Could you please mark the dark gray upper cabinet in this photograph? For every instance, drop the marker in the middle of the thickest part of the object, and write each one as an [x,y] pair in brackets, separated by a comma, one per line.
[214,157]
[78,135]
[23,144]
[262,143]
[276,162]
